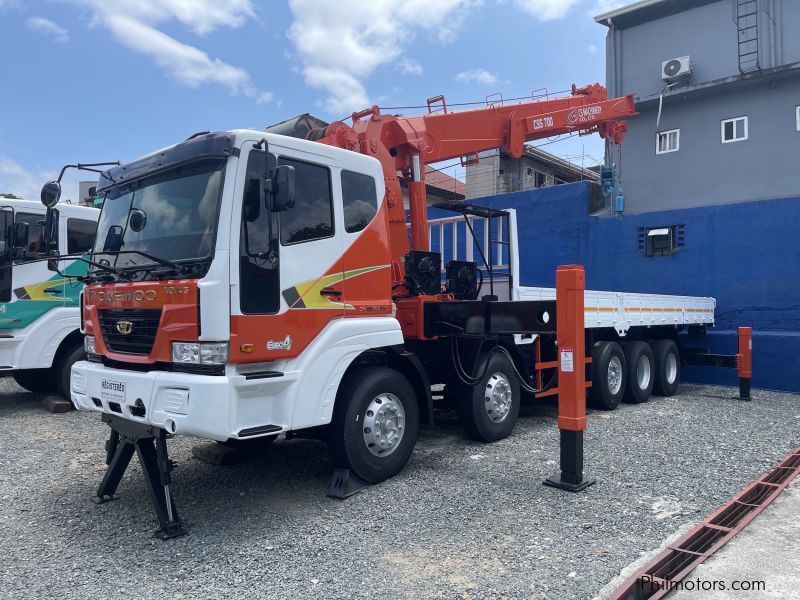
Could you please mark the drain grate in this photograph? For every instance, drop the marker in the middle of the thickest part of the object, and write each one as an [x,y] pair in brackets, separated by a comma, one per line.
[676,562]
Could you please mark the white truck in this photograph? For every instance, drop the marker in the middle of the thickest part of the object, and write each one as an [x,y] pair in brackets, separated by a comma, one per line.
[40,336]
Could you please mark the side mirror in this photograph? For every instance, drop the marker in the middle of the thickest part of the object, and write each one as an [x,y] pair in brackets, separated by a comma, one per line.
[50,230]
[283,188]
[113,241]
[21,235]
[51,194]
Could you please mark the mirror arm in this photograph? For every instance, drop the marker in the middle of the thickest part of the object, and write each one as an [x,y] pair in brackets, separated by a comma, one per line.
[87,167]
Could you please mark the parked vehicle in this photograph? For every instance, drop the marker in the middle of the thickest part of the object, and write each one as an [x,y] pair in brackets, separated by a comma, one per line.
[247,284]
[40,336]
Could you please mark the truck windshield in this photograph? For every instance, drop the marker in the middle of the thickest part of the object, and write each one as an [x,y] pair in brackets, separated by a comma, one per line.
[171,216]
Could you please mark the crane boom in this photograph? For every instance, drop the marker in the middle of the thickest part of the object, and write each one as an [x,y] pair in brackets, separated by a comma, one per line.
[405,144]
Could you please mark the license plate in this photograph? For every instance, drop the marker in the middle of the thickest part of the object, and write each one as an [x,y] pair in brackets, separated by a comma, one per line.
[113,391]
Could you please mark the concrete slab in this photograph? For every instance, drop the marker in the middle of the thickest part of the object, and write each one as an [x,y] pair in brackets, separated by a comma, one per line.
[763,560]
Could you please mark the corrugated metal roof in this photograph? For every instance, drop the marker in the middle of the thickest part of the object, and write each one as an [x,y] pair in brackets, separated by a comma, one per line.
[442,181]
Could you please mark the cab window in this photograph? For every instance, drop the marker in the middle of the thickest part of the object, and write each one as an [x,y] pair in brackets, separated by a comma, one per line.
[360,200]
[259,274]
[35,230]
[312,215]
[80,235]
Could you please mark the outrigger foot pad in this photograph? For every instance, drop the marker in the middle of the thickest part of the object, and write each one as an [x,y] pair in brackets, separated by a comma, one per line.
[150,445]
[556,481]
[345,483]
[104,499]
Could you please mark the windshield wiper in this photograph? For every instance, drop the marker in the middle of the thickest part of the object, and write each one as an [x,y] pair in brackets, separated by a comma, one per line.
[161,261]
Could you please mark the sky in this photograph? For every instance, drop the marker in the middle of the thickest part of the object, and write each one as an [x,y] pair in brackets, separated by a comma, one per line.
[105,80]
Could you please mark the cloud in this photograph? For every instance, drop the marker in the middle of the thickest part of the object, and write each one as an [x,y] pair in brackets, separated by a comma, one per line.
[546,10]
[592,49]
[27,183]
[16,179]
[134,23]
[48,28]
[408,66]
[200,16]
[342,43]
[479,76]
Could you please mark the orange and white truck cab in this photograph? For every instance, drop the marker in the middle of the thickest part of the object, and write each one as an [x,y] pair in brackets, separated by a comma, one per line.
[242,328]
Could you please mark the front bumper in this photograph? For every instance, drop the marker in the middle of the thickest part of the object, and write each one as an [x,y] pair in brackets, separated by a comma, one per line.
[211,407]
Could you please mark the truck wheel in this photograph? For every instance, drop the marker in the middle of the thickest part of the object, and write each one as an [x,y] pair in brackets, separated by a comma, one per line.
[38,381]
[608,375]
[667,361]
[488,410]
[63,369]
[375,424]
[639,358]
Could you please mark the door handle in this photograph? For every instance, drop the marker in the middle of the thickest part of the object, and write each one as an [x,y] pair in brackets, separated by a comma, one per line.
[328,291]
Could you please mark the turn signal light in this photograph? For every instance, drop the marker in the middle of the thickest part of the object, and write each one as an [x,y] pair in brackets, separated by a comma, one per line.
[246,348]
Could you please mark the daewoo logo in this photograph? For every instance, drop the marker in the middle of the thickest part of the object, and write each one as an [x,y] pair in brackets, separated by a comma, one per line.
[125,327]
[120,296]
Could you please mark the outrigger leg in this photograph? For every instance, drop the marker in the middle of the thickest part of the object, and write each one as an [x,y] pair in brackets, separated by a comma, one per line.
[150,444]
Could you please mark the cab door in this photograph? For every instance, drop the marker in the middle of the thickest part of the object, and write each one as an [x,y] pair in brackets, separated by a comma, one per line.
[290,287]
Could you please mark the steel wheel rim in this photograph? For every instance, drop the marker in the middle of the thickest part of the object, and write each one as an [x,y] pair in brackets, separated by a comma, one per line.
[498,397]
[614,375]
[643,372]
[672,368]
[384,424]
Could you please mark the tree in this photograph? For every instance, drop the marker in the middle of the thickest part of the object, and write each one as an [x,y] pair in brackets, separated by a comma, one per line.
[10,196]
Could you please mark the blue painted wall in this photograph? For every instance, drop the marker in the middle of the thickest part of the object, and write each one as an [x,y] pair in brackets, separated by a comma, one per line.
[745,255]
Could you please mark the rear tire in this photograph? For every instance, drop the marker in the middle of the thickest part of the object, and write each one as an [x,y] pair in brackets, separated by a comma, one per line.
[667,361]
[63,369]
[375,423]
[38,381]
[639,385]
[608,375]
[488,410]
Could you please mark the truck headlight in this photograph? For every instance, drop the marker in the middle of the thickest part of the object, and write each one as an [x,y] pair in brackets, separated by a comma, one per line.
[88,344]
[200,353]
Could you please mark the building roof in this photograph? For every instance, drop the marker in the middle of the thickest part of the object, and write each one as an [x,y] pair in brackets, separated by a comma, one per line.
[642,11]
[560,165]
[442,181]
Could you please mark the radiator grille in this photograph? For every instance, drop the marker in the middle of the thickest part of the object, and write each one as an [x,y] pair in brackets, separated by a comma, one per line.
[144,324]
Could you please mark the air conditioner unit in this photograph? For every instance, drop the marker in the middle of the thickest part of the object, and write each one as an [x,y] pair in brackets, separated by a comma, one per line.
[676,69]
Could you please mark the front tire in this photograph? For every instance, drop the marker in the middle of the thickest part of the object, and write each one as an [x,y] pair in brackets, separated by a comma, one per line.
[38,381]
[63,370]
[608,375]
[375,424]
[488,410]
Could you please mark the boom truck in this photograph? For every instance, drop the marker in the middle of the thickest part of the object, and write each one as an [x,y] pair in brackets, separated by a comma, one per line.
[246,284]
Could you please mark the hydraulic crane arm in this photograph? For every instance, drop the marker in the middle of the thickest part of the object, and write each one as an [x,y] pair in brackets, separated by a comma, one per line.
[445,136]
[404,145]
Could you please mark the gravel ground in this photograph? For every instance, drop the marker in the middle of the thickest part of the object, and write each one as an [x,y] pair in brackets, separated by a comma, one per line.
[462,520]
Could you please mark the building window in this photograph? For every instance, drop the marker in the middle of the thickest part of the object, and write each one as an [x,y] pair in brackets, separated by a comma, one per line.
[797,116]
[661,241]
[668,141]
[735,130]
